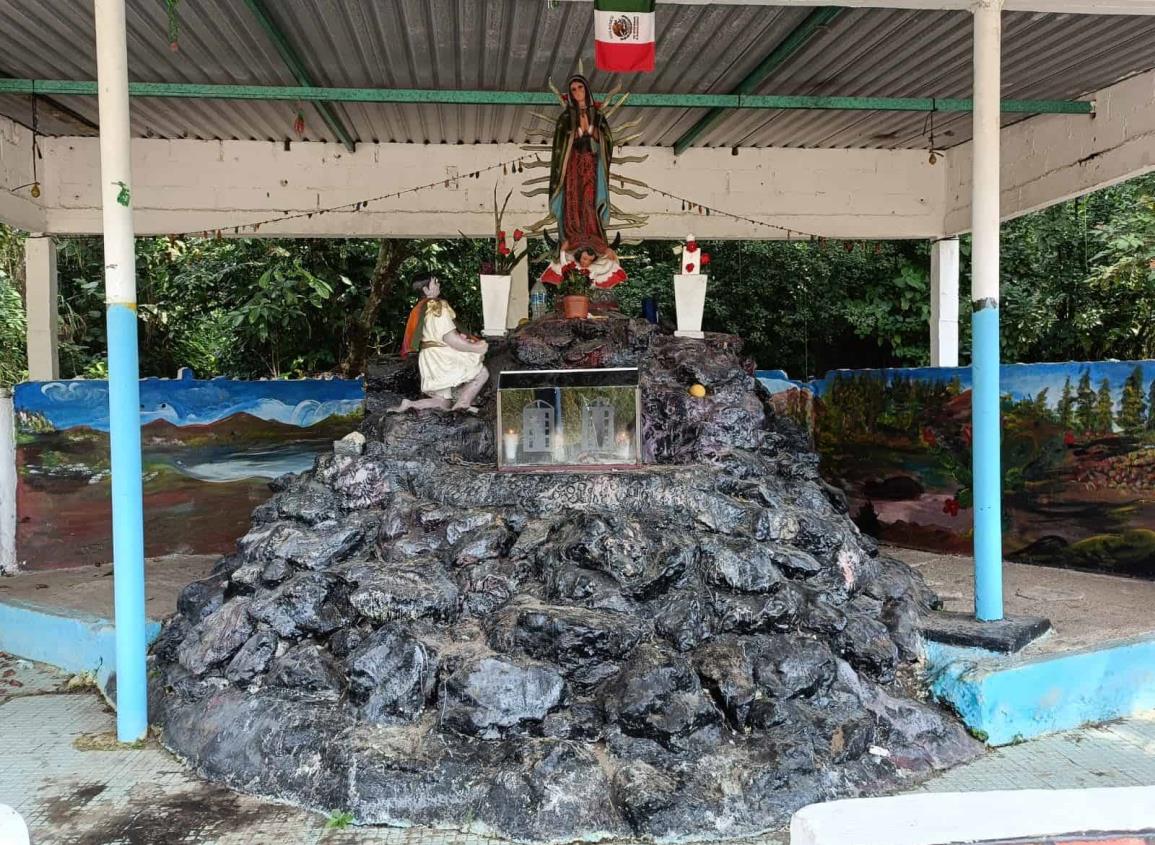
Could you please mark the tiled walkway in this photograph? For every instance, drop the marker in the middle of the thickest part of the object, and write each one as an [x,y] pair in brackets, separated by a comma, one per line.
[58,770]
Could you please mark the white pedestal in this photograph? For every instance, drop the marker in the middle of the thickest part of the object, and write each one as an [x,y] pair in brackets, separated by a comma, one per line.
[690,300]
[494,304]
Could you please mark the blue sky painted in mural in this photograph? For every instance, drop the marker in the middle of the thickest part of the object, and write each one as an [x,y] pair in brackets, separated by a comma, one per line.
[70,404]
[1020,381]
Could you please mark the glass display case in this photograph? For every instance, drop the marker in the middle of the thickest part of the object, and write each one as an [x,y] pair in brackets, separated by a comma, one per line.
[572,419]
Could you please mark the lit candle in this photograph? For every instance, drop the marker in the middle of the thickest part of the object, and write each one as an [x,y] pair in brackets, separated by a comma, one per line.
[624,446]
[511,439]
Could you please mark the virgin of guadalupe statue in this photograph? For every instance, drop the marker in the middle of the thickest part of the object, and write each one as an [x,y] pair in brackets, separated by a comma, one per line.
[579,173]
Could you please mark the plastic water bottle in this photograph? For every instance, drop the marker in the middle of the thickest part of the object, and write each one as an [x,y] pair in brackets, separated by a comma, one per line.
[538,301]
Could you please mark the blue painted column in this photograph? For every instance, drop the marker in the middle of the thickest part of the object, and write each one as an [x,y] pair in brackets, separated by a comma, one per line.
[123,371]
[985,423]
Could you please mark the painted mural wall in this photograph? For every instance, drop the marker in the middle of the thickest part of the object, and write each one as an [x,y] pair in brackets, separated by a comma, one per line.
[1078,457]
[209,449]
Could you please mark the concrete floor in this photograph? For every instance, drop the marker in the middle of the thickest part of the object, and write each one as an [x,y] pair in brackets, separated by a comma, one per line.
[88,590]
[1085,610]
[61,769]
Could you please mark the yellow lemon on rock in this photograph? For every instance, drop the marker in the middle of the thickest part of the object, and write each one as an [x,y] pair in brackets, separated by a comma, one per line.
[698,391]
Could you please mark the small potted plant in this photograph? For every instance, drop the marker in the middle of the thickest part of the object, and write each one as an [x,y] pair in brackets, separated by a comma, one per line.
[496,275]
[574,291]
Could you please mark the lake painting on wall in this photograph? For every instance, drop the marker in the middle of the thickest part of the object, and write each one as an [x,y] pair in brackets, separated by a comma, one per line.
[210,449]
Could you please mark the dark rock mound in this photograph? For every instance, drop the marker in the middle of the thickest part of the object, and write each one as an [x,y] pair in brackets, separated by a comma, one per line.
[692,650]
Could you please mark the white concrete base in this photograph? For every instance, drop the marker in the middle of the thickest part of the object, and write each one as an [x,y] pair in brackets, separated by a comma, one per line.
[13,831]
[690,301]
[7,486]
[495,304]
[695,335]
[938,819]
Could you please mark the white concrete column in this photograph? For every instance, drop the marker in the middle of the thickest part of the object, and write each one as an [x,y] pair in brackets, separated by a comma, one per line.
[518,289]
[41,296]
[944,303]
[7,484]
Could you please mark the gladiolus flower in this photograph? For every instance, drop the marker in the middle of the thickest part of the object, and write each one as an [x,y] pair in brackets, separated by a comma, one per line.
[692,246]
[705,259]
[689,268]
[518,234]
[501,235]
[503,250]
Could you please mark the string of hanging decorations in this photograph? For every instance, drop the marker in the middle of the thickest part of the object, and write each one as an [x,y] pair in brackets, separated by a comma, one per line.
[514,165]
[791,234]
[510,165]
[694,206]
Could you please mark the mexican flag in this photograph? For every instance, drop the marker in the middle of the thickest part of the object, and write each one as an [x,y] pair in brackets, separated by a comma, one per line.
[624,35]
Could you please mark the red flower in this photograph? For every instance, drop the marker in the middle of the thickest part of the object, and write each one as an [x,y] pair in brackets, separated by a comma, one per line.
[503,250]
[570,266]
[584,271]
[691,246]
[689,268]
[968,434]
[518,234]
[950,507]
[929,437]
[501,235]
[705,259]
[1069,438]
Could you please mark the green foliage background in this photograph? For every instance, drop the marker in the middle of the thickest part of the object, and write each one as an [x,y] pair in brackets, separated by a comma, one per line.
[1078,282]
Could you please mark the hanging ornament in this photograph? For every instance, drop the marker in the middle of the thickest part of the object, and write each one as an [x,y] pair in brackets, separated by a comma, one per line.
[173,24]
[299,124]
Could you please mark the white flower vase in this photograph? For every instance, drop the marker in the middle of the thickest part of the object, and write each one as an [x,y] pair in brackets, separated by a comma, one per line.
[690,300]
[495,304]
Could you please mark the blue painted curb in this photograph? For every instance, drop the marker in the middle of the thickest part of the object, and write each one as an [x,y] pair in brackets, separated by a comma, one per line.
[74,642]
[1010,699]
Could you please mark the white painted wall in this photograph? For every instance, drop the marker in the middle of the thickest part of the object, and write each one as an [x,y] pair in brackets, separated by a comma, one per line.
[189,186]
[1052,158]
[7,484]
[18,208]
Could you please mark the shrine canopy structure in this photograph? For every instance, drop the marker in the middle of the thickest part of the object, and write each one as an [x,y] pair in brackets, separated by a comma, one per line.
[396,118]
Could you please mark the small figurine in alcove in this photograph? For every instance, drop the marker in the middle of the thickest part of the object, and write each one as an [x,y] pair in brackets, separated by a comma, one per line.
[450,361]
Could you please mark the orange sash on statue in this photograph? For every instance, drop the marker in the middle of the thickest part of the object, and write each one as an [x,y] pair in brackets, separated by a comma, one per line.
[413,328]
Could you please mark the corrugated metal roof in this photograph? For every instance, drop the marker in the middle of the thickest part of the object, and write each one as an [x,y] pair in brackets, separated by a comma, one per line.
[521,44]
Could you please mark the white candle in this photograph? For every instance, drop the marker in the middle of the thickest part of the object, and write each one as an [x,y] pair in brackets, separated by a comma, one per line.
[511,440]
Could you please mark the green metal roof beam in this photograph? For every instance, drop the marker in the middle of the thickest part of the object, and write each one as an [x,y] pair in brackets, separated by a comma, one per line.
[791,44]
[299,71]
[533,98]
